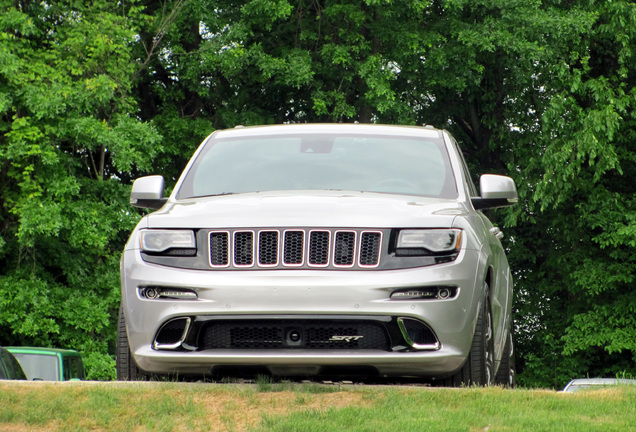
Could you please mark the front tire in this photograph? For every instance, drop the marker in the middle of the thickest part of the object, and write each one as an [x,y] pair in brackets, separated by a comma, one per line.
[127,369]
[506,375]
[479,367]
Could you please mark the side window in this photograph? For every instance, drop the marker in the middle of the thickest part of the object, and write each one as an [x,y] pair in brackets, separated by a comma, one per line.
[75,369]
[11,369]
[3,373]
[80,369]
[67,368]
[19,373]
[8,364]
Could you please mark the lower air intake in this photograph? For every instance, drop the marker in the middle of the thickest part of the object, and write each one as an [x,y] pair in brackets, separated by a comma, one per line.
[295,334]
[417,334]
[172,334]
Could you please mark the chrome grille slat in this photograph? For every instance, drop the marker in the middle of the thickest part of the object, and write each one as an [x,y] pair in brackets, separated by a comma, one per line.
[295,248]
[243,248]
[219,249]
[344,248]
[268,248]
[319,248]
[369,255]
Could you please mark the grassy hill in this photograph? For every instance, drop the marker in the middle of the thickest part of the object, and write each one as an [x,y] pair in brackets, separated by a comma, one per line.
[156,406]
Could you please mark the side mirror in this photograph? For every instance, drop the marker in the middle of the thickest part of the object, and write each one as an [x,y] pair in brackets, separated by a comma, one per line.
[496,191]
[147,192]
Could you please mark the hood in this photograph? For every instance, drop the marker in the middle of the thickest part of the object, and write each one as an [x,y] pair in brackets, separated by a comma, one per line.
[307,209]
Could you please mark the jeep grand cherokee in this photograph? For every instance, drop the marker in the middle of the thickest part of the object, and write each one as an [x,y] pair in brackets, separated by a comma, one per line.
[320,249]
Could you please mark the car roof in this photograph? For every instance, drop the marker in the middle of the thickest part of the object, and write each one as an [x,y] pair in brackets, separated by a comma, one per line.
[585,382]
[42,350]
[317,128]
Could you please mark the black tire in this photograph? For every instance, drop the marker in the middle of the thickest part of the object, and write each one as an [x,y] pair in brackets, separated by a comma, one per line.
[479,367]
[506,375]
[127,369]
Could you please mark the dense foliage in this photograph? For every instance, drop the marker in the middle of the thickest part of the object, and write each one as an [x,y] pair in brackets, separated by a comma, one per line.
[70,139]
[95,93]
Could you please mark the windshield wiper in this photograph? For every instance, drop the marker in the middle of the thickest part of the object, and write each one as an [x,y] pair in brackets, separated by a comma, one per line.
[213,195]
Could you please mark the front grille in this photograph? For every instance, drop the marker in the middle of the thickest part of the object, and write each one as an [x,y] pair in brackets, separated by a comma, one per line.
[293,248]
[319,248]
[314,248]
[295,334]
[370,249]
[268,248]
[344,248]
[243,248]
[219,249]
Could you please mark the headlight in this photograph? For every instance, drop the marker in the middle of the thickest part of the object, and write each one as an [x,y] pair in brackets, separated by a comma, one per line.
[433,240]
[158,240]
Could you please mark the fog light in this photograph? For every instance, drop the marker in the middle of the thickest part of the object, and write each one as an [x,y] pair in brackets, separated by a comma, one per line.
[185,295]
[444,293]
[158,293]
[414,294]
[425,293]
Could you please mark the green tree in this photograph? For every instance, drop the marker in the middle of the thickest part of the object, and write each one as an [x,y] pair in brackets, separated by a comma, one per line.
[542,91]
[92,94]
[68,134]
[584,268]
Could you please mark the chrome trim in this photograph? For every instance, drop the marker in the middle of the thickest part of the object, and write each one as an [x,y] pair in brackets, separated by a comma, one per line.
[254,254]
[328,248]
[407,338]
[157,346]
[362,233]
[258,248]
[496,231]
[229,249]
[303,248]
[305,245]
[335,244]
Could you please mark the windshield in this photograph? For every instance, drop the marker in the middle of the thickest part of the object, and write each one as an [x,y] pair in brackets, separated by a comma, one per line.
[385,164]
[39,366]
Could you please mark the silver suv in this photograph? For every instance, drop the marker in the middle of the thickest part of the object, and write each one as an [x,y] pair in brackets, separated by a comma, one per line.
[320,249]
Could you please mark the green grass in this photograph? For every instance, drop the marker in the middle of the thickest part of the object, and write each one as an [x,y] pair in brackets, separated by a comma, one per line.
[286,407]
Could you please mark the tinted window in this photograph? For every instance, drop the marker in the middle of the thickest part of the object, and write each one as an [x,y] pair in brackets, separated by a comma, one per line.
[39,366]
[17,369]
[67,369]
[73,368]
[3,368]
[384,164]
[9,366]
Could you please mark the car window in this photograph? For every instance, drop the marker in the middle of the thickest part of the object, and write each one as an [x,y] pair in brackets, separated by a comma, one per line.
[72,368]
[39,366]
[3,365]
[79,368]
[67,369]
[10,368]
[8,372]
[384,164]
[18,373]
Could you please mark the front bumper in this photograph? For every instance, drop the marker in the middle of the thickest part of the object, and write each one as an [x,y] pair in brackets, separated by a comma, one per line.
[297,295]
